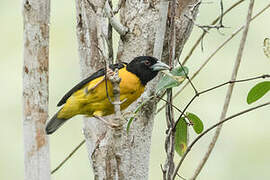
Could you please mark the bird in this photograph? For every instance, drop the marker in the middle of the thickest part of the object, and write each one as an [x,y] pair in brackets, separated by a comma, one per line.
[89,97]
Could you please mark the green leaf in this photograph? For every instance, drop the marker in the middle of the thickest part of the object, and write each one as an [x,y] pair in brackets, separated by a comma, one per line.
[196,121]
[175,79]
[258,91]
[136,111]
[181,137]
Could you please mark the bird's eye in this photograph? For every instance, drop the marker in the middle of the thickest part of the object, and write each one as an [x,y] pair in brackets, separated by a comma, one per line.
[147,63]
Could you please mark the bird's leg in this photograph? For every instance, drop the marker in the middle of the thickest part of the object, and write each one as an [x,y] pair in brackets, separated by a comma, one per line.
[108,73]
[128,114]
[111,124]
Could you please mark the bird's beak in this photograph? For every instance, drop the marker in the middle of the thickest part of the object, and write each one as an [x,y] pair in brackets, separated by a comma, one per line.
[158,66]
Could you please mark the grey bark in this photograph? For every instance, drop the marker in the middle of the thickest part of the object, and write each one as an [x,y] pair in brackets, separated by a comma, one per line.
[35,89]
[128,158]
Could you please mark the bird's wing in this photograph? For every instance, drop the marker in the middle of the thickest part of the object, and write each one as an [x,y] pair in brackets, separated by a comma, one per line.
[95,75]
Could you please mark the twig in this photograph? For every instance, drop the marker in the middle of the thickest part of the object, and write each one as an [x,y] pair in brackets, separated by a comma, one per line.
[236,81]
[68,157]
[221,14]
[115,80]
[206,28]
[189,80]
[118,26]
[229,92]
[211,128]
[194,97]
[107,70]
[169,141]
[163,171]
[181,177]
[109,41]
[204,33]
[195,6]
[214,53]
[118,7]
[109,124]
[172,105]
[218,86]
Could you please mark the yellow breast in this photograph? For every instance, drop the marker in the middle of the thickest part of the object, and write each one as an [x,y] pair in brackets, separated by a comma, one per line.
[92,98]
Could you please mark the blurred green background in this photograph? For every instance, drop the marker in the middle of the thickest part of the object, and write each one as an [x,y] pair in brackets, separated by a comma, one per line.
[242,151]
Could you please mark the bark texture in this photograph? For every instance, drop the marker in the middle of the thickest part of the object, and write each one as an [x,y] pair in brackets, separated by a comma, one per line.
[128,156]
[35,88]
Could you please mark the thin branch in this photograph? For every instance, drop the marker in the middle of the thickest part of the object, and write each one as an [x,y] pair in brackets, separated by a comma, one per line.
[109,41]
[190,102]
[215,52]
[189,80]
[166,101]
[219,86]
[118,26]
[169,141]
[118,7]
[236,81]
[163,171]
[115,80]
[229,92]
[221,14]
[68,157]
[195,6]
[211,128]
[206,28]
[195,90]
[107,71]
[181,177]
[204,33]
[110,125]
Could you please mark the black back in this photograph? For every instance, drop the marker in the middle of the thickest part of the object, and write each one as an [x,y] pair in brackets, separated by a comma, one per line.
[95,75]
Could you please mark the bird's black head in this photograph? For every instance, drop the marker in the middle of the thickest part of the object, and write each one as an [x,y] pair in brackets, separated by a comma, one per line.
[146,68]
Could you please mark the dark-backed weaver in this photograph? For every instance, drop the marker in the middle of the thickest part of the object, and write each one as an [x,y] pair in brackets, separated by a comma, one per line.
[89,97]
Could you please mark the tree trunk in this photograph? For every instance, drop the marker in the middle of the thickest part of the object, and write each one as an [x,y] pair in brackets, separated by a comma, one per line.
[128,158]
[35,89]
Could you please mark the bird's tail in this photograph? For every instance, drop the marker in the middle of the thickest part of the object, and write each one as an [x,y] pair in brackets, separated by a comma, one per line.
[54,124]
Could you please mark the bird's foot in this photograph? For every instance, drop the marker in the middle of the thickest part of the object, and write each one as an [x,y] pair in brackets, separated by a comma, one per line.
[109,73]
[110,124]
[128,114]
